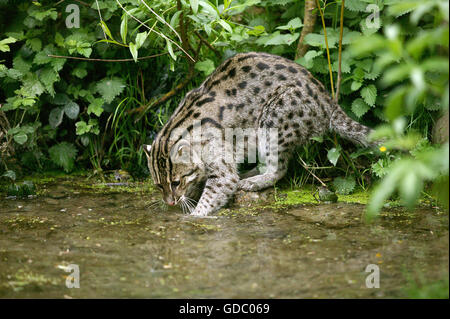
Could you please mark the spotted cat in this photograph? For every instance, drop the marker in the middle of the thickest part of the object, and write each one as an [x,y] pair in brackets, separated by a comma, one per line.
[277,99]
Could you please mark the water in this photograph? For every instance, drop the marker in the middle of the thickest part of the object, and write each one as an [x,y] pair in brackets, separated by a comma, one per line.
[126,247]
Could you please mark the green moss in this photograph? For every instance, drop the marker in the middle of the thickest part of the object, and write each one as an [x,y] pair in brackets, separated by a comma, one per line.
[204,227]
[23,278]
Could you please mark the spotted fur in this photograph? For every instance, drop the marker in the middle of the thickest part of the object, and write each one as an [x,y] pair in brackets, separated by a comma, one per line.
[250,90]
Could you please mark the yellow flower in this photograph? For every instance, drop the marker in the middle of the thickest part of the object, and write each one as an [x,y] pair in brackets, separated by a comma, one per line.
[383,149]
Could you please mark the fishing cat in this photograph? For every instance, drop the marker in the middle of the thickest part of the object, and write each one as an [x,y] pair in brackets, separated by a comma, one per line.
[270,95]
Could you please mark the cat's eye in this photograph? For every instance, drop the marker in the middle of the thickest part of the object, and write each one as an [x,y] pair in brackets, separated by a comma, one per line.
[175,184]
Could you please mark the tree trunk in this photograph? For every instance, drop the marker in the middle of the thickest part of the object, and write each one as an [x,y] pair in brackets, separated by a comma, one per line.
[308,26]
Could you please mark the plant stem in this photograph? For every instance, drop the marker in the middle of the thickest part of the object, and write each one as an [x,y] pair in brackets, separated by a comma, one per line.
[339,77]
[326,44]
[308,26]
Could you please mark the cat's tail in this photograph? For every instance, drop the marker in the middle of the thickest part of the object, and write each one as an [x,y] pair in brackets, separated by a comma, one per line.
[345,126]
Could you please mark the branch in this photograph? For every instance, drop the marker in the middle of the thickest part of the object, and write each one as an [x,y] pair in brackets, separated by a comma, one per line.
[339,77]
[328,50]
[152,30]
[307,168]
[308,27]
[202,39]
[191,71]
[144,108]
[105,60]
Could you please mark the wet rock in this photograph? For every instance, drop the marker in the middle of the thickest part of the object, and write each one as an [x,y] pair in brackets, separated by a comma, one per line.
[331,216]
[247,199]
[327,196]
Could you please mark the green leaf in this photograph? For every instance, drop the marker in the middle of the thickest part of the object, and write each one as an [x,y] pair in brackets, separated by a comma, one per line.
[333,155]
[56,116]
[170,49]
[60,99]
[72,110]
[134,51]
[35,44]
[124,28]
[194,6]
[63,155]
[20,138]
[226,26]
[32,85]
[356,5]
[140,39]
[369,94]
[207,66]
[96,107]
[344,186]
[10,174]
[48,77]
[4,47]
[359,107]
[356,85]
[106,29]
[294,24]
[81,128]
[277,38]
[318,40]
[79,72]
[110,88]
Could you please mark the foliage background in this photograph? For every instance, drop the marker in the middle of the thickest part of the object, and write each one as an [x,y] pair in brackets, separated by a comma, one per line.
[64,113]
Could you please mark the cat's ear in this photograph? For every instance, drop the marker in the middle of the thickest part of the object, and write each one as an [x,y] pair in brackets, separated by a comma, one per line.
[147,148]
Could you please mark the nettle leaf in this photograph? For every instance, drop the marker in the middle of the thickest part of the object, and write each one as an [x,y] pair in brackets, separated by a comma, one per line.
[294,24]
[79,72]
[60,99]
[10,174]
[318,40]
[63,155]
[350,37]
[359,107]
[32,85]
[4,47]
[35,44]
[356,5]
[333,155]
[72,110]
[82,128]
[20,138]
[207,66]
[20,64]
[110,88]
[369,94]
[48,77]
[308,59]
[277,38]
[344,186]
[356,85]
[96,107]
[42,56]
[56,116]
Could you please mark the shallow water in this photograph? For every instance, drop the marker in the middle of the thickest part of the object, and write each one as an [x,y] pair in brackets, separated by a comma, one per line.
[126,247]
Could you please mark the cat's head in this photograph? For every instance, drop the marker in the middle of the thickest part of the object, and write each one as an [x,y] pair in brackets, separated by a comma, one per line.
[177,174]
